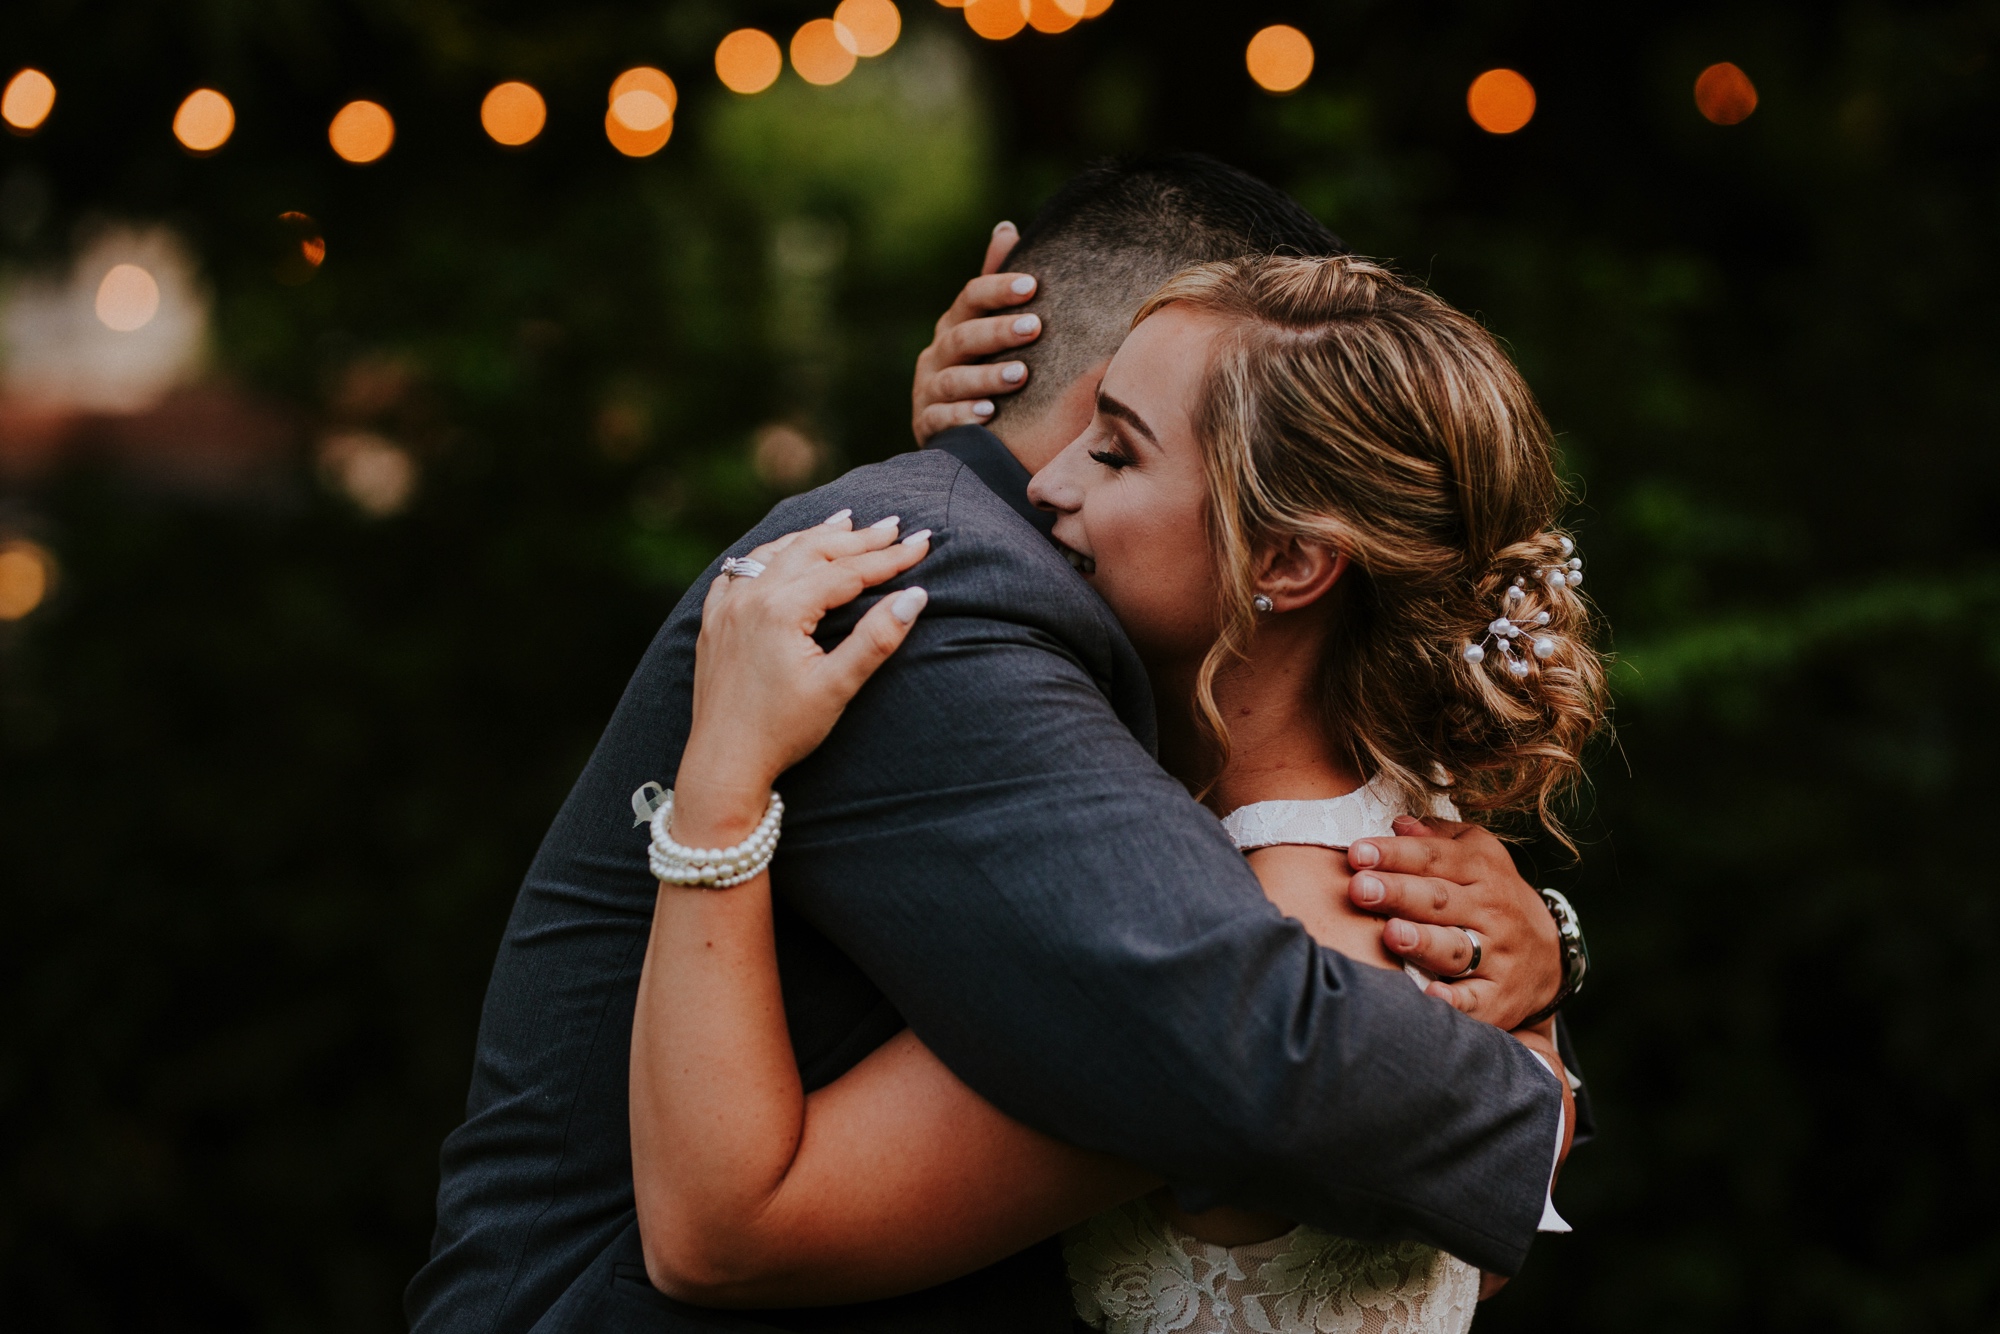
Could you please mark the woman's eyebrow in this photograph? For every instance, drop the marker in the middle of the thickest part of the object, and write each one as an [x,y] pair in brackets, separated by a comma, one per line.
[1111,407]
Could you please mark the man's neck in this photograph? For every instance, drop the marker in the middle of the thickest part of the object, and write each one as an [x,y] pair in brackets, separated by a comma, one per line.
[1036,440]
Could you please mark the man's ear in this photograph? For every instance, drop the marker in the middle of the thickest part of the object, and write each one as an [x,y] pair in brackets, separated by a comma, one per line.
[1295,572]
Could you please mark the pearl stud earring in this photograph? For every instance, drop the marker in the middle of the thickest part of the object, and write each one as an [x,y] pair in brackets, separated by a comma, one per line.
[1262,603]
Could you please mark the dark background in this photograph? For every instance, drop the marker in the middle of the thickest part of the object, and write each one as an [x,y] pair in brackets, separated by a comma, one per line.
[271,767]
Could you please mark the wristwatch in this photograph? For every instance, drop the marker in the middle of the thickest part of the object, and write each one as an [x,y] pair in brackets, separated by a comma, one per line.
[1575,954]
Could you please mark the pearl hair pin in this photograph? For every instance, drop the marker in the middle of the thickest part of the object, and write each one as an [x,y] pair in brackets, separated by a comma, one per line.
[1509,627]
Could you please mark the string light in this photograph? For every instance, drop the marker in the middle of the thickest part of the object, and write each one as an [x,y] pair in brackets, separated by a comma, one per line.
[748,61]
[302,248]
[1724,94]
[873,24]
[361,132]
[823,52]
[1280,58]
[29,98]
[1501,101]
[205,121]
[27,572]
[996,20]
[127,298]
[512,114]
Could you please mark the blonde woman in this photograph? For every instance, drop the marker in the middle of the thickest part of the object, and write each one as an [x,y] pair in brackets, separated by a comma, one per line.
[1322,503]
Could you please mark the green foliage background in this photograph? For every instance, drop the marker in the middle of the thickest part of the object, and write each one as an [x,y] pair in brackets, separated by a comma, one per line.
[270,770]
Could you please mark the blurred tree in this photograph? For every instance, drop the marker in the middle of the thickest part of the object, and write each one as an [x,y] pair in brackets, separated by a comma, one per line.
[271,764]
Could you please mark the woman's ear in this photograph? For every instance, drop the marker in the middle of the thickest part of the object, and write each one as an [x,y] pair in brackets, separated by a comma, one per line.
[1295,572]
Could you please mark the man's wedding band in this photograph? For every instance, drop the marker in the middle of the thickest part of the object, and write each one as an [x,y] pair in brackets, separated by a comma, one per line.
[742,567]
[1472,965]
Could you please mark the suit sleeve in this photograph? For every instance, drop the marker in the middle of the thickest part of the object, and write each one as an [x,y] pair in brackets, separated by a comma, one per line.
[1079,941]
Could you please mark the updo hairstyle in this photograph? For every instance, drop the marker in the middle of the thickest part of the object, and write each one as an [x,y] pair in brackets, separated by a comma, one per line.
[1351,407]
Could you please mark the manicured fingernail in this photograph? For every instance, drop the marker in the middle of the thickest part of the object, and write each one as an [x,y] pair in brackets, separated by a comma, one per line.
[1367,889]
[1364,854]
[837,518]
[1027,324]
[889,522]
[906,604]
[1022,285]
[1400,935]
[918,538]
[1013,372]
[999,227]
[982,409]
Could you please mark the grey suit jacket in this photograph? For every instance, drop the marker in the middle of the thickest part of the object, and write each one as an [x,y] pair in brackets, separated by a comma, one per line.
[984,849]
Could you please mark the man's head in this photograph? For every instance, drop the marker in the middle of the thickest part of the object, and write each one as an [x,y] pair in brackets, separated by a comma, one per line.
[1105,242]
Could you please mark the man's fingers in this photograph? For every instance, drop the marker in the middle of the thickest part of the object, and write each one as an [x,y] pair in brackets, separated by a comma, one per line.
[1455,858]
[875,637]
[1417,898]
[1005,236]
[1467,997]
[943,416]
[1444,950]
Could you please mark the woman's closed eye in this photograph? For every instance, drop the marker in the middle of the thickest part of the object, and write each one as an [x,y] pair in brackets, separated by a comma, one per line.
[1113,458]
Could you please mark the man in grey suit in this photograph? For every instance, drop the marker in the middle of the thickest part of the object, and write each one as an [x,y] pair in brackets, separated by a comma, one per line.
[984,850]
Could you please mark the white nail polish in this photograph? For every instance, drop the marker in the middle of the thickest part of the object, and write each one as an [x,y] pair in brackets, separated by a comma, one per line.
[908,603]
[1000,225]
[917,538]
[835,518]
[889,522]
[1023,286]
[1027,324]
[1013,372]
[982,409]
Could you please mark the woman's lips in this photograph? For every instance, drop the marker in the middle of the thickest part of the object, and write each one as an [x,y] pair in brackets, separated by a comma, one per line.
[1079,562]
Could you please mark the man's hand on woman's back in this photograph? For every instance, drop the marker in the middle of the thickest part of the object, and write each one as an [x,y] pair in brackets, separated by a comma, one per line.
[1438,879]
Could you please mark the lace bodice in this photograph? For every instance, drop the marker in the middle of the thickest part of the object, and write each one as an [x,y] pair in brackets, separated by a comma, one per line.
[1133,1272]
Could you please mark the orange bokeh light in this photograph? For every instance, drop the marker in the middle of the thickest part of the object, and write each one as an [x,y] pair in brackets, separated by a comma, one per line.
[27,572]
[645,79]
[1280,58]
[1725,95]
[513,114]
[1501,101]
[1054,16]
[996,20]
[1092,8]
[205,121]
[361,131]
[748,61]
[823,52]
[637,143]
[873,24]
[29,98]
[952,4]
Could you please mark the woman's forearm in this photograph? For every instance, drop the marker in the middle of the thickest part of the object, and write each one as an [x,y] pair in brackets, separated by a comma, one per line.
[894,1177]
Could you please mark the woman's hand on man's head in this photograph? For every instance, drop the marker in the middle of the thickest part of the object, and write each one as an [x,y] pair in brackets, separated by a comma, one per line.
[954,384]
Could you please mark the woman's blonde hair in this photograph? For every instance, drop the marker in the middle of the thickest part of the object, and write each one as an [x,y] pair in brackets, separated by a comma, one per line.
[1350,407]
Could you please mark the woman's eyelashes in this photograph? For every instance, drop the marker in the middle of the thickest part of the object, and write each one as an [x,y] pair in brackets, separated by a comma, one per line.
[1113,458]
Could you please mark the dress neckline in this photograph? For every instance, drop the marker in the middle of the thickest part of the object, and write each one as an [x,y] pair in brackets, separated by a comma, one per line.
[1369,811]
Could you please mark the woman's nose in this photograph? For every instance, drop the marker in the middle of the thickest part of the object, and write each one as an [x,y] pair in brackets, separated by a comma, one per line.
[1053,488]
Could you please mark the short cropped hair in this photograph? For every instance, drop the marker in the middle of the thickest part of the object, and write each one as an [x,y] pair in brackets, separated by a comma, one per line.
[1120,228]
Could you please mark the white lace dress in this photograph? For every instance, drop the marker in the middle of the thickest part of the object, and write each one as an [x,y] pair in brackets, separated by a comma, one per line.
[1134,1272]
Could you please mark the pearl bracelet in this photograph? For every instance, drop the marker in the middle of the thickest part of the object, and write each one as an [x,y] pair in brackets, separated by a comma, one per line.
[713,868]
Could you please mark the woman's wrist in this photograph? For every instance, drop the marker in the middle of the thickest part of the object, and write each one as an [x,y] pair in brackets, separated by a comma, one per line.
[719,798]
